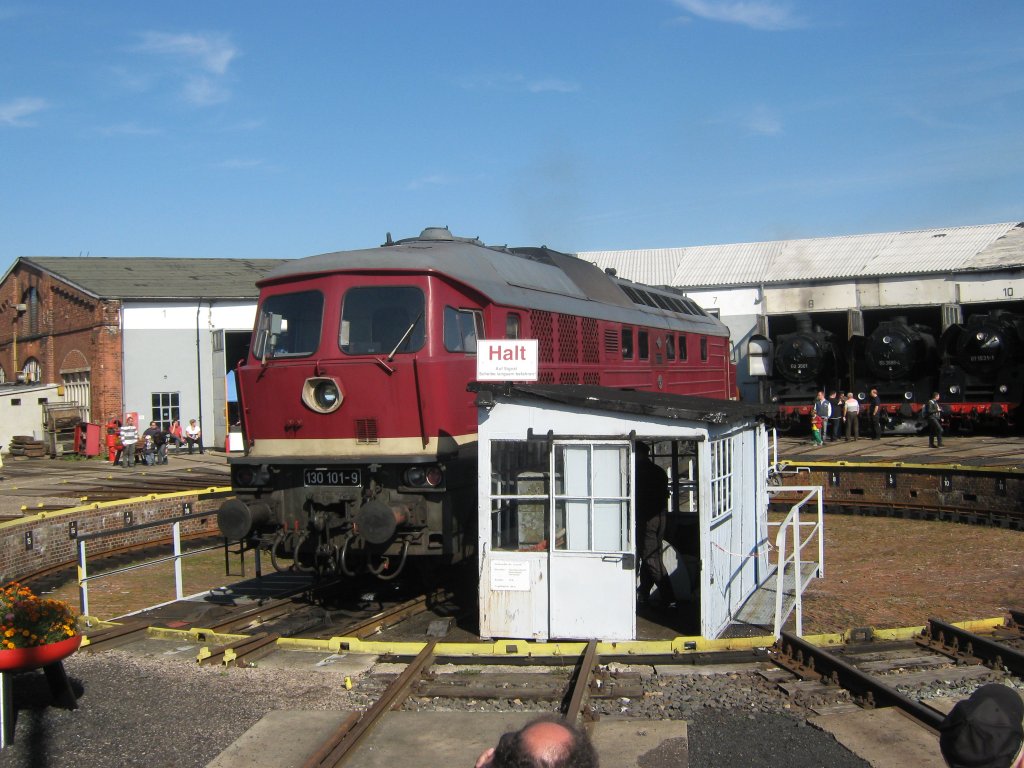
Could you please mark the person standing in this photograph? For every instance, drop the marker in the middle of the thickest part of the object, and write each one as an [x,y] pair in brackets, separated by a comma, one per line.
[933,413]
[193,436]
[875,412]
[851,415]
[651,518]
[835,420]
[819,418]
[129,437]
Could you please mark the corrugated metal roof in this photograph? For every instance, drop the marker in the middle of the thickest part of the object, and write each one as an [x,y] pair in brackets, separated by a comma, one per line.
[954,249]
[158,278]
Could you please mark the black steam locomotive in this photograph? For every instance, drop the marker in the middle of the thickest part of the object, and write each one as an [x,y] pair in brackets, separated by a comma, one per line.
[982,377]
[804,362]
[900,360]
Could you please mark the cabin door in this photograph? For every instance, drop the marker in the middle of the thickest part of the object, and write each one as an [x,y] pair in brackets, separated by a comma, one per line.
[592,565]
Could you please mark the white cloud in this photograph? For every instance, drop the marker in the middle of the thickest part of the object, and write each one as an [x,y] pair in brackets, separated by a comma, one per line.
[128,129]
[14,112]
[435,180]
[764,121]
[552,85]
[239,164]
[518,82]
[202,62]
[212,53]
[756,14]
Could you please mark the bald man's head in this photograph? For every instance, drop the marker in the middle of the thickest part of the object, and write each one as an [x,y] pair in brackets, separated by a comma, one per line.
[546,742]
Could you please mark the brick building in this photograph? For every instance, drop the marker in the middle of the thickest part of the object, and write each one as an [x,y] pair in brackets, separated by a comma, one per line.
[150,335]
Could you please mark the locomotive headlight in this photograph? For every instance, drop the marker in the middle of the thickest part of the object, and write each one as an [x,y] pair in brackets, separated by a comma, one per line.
[887,339]
[908,396]
[322,394]
[1003,389]
[424,477]
[954,389]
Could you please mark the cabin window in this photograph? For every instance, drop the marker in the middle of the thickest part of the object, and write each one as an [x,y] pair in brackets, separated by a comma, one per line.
[382,320]
[670,347]
[462,327]
[682,348]
[288,325]
[642,345]
[627,343]
[512,325]
[704,348]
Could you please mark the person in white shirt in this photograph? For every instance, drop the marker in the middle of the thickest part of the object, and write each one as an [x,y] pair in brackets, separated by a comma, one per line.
[193,436]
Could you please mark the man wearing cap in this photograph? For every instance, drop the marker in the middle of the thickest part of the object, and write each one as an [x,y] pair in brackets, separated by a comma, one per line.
[985,731]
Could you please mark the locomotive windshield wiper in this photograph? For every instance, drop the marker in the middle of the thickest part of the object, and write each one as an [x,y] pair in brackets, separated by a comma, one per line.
[405,336]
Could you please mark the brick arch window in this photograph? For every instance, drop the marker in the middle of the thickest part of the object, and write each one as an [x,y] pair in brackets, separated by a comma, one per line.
[75,374]
[32,372]
[30,298]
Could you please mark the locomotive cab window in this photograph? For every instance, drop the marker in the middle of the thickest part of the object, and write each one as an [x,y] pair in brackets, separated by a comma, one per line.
[703,348]
[643,347]
[381,320]
[670,347]
[682,348]
[627,343]
[512,325]
[462,327]
[289,325]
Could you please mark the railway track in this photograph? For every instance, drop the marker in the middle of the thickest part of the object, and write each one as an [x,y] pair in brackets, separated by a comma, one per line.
[342,744]
[871,675]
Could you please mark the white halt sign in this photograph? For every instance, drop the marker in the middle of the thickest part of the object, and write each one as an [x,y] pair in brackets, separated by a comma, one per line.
[506,359]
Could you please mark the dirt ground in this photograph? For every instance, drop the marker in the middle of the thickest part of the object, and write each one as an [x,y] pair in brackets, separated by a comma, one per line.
[879,572]
[885,573]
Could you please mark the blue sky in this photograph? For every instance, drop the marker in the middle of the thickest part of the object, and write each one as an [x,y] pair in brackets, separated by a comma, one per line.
[265,130]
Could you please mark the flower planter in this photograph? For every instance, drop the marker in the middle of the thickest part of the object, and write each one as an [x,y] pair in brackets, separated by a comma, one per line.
[22,659]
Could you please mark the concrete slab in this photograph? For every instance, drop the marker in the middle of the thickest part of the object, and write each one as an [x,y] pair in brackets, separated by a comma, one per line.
[333,663]
[631,743]
[283,738]
[886,738]
[435,739]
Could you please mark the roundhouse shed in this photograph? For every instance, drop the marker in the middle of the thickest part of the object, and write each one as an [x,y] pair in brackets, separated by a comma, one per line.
[156,336]
[906,312]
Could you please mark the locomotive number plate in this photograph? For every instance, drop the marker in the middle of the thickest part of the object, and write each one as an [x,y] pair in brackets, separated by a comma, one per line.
[316,476]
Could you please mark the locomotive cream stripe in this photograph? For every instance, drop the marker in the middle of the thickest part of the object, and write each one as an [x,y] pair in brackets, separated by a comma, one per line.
[352,450]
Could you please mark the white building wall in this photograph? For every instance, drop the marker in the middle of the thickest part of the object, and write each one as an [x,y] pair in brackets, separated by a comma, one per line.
[160,355]
[21,411]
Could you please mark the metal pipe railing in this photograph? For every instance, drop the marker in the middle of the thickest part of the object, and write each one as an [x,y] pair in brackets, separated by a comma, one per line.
[792,527]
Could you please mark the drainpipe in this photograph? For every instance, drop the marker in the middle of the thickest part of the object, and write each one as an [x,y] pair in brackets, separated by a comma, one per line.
[199,372]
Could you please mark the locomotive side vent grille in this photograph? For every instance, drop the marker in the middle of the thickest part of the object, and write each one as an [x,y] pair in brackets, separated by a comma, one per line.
[568,339]
[366,431]
[589,333]
[611,341]
[592,379]
[541,324]
[568,377]
[546,377]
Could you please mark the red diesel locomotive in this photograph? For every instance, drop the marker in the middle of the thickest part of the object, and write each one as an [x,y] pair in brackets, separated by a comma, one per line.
[359,431]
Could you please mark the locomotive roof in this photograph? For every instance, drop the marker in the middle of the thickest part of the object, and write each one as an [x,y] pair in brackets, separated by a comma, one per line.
[533,278]
[657,404]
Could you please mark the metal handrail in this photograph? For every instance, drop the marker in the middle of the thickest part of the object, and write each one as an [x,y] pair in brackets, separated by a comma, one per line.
[791,527]
[176,556]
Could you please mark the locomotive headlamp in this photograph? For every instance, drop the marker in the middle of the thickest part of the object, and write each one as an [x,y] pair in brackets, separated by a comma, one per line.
[424,477]
[954,389]
[908,395]
[887,339]
[1003,389]
[322,394]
